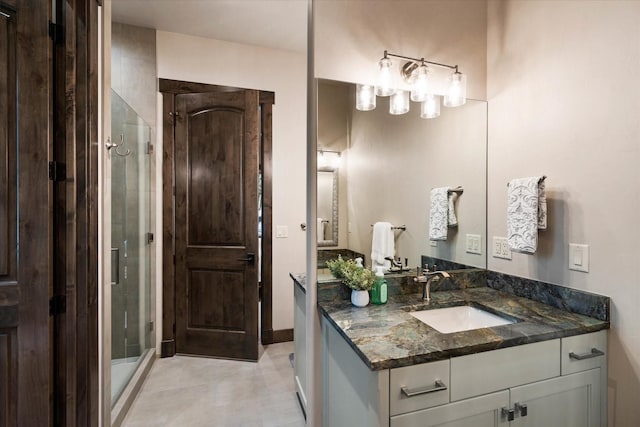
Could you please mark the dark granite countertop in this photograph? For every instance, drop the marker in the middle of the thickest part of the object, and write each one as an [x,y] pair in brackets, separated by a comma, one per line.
[300,279]
[387,336]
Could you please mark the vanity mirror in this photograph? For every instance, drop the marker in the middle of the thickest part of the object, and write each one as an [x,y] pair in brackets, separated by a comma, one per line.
[327,206]
[390,163]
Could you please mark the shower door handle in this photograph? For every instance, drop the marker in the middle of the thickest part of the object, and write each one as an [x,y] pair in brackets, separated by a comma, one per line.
[115,266]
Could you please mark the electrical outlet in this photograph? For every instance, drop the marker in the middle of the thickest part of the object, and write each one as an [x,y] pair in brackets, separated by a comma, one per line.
[500,248]
[474,242]
[433,243]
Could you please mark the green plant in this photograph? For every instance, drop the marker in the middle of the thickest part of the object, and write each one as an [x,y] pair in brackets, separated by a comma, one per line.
[358,278]
[337,266]
[355,277]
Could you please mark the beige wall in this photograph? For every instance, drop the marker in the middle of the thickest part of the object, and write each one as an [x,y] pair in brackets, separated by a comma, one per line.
[182,57]
[395,161]
[351,37]
[564,100]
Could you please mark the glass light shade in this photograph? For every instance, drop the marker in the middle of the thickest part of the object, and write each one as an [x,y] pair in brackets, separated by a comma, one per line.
[385,80]
[421,85]
[430,107]
[365,97]
[399,102]
[457,90]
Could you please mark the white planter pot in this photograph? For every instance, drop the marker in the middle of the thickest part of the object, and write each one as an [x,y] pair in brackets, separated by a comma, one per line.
[360,298]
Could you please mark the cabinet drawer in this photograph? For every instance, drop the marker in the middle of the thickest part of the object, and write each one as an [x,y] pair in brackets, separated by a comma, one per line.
[476,412]
[583,352]
[495,370]
[424,385]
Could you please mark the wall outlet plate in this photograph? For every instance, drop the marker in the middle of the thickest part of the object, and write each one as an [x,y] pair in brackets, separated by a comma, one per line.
[500,248]
[433,243]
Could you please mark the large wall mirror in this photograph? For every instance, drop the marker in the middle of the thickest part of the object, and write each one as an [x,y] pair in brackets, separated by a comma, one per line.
[390,163]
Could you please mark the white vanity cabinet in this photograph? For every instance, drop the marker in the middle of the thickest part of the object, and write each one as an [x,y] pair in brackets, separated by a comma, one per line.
[554,383]
[299,344]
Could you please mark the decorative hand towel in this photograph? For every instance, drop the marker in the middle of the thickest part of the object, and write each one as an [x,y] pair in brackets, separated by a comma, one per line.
[526,213]
[439,214]
[452,221]
[382,245]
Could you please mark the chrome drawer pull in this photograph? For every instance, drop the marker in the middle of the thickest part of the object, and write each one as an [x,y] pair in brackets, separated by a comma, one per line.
[439,386]
[594,353]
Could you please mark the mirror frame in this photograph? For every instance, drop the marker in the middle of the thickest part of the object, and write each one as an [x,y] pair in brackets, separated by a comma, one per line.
[334,209]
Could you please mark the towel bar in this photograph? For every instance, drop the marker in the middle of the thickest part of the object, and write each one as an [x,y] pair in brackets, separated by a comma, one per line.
[401,227]
[539,181]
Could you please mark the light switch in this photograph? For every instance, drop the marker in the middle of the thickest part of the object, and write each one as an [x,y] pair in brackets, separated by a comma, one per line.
[433,243]
[282,231]
[579,257]
[474,243]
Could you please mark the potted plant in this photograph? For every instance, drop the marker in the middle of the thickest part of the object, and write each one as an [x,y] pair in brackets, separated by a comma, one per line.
[359,279]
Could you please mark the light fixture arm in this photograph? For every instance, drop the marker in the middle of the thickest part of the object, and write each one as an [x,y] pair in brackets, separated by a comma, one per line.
[421,61]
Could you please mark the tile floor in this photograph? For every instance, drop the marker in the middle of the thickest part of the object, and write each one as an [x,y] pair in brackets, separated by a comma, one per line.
[192,392]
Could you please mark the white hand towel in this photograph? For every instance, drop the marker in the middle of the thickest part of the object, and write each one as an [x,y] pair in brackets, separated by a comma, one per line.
[322,226]
[526,213]
[382,245]
[439,214]
[452,220]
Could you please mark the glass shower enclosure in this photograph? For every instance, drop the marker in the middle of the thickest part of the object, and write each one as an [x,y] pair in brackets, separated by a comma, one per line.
[130,243]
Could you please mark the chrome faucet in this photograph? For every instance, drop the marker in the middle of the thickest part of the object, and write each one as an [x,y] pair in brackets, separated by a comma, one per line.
[426,279]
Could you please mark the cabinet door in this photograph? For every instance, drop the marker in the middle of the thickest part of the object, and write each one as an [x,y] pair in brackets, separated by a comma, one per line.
[568,401]
[299,344]
[483,411]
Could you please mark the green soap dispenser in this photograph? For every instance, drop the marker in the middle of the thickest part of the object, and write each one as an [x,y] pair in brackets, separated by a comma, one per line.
[379,291]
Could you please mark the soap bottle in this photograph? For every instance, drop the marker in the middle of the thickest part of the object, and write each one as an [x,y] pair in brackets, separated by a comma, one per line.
[379,291]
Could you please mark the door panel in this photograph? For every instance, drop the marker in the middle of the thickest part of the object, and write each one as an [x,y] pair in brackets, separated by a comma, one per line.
[216,209]
[216,217]
[25,276]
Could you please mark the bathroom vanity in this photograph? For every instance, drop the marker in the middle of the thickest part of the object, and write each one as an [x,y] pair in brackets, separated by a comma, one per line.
[384,367]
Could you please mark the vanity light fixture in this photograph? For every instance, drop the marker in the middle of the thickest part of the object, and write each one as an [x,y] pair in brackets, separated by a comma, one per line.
[365,97]
[417,74]
[430,107]
[329,159]
[399,103]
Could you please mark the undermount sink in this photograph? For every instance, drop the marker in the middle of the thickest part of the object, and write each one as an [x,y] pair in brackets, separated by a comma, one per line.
[458,319]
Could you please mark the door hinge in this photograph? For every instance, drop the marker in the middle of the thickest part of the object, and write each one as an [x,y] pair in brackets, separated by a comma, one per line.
[151,326]
[57,171]
[149,238]
[57,305]
[174,259]
[149,147]
[56,32]
[260,288]
[174,329]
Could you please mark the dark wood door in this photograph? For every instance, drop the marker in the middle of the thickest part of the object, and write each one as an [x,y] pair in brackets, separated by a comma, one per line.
[216,223]
[25,215]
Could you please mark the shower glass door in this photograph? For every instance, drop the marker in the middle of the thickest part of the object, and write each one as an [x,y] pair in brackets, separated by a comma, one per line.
[130,254]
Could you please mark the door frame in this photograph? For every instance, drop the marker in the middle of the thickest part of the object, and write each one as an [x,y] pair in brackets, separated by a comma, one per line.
[169,89]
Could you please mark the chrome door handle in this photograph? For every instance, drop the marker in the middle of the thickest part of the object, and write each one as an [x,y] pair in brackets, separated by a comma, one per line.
[250,258]
[439,386]
[594,353]
[522,408]
[508,413]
